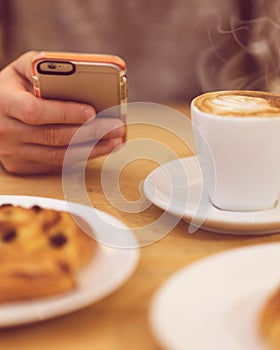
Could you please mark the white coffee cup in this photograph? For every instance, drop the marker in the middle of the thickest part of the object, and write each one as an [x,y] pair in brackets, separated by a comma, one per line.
[237,135]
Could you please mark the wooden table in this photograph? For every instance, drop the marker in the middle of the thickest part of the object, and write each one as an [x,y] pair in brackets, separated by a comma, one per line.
[120,320]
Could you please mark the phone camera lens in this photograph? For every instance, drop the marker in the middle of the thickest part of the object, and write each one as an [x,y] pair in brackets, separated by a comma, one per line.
[51,65]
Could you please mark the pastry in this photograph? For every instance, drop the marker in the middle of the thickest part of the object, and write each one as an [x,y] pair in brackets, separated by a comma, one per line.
[40,251]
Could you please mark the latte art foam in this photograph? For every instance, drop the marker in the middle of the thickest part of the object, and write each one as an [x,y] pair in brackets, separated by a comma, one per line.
[239,103]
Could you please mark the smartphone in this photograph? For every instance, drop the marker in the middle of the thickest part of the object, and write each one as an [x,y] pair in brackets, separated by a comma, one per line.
[98,80]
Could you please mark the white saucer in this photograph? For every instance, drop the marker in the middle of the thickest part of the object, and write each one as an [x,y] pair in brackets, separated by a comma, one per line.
[177,188]
[215,303]
[109,269]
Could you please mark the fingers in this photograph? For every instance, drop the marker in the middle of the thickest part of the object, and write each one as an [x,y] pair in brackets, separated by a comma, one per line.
[60,135]
[55,155]
[37,111]
[45,158]
[26,149]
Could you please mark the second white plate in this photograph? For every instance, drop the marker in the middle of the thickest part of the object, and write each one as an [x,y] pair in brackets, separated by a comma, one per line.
[215,303]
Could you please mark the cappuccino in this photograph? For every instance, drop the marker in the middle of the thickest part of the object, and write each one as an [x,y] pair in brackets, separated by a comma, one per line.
[239,153]
[239,103]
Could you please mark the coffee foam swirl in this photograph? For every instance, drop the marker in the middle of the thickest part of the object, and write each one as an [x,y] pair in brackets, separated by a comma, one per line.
[239,104]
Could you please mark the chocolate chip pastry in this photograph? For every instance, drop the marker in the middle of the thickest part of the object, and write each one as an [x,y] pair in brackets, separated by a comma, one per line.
[270,320]
[40,251]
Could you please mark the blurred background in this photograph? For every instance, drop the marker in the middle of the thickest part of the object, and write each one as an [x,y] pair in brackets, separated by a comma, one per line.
[174,49]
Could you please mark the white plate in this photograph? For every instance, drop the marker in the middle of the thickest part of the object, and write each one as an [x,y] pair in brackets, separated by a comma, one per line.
[177,188]
[107,271]
[215,303]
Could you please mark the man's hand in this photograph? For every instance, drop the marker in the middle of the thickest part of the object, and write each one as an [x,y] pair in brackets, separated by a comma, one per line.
[35,132]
